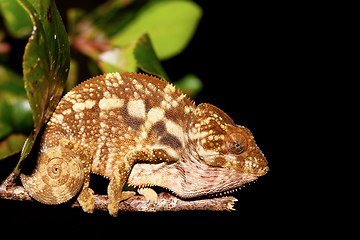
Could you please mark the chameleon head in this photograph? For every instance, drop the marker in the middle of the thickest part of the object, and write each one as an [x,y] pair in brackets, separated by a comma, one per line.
[227,145]
[220,156]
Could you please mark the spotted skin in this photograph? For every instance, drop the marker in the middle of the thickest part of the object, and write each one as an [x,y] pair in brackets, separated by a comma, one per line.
[137,129]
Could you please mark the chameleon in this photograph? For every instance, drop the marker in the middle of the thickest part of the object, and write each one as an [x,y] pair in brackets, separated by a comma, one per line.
[139,130]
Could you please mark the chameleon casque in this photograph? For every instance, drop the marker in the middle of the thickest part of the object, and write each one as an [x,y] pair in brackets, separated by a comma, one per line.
[140,130]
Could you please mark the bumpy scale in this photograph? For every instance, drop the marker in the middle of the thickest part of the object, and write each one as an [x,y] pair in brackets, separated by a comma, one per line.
[141,130]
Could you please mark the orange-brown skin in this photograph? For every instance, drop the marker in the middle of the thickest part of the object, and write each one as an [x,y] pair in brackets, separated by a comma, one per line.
[137,129]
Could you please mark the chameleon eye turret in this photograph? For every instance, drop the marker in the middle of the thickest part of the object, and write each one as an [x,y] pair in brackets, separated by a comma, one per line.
[236,143]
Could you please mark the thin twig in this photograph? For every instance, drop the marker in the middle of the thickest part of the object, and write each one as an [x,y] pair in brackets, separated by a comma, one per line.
[166,202]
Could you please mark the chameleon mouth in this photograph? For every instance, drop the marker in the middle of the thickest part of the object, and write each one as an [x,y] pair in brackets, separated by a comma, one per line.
[251,166]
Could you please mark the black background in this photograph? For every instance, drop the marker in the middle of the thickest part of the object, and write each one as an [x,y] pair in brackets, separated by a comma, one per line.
[249,57]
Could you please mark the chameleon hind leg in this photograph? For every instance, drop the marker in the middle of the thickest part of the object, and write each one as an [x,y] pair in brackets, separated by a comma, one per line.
[85,197]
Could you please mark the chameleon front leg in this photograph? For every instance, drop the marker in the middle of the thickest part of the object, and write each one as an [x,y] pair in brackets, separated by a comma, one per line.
[122,172]
[149,194]
[115,188]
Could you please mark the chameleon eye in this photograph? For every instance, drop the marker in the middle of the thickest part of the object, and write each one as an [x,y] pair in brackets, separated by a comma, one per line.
[236,143]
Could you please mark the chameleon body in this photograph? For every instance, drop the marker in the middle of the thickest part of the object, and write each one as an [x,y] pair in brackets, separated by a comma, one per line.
[141,130]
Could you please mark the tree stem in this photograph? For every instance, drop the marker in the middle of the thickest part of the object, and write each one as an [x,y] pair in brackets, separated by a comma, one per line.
[166,202]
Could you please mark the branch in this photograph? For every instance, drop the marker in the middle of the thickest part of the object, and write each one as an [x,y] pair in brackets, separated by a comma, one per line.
[166,202]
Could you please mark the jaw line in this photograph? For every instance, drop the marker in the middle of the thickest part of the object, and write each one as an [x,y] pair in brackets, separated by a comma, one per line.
[214,181]
[193,178]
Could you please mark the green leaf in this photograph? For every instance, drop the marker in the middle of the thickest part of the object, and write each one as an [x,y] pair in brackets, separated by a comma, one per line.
[5,119]
[16,19]
[73,78]
[107,18]
[118,60]
[46,63]
[11,145]
[170,24]
[15,112]
[73,16]
[146,59]
[189,84]
[11,81]
[21,115]
[5,128]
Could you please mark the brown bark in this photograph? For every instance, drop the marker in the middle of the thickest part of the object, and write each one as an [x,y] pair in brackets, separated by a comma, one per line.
[166,202]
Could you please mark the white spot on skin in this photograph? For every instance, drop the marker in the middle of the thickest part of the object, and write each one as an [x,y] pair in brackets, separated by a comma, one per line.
[138,86]
[143,135]
[174,103]
[89,103]
[67,111]
[103,125]
[109,164]
[115,75]
[107,95]
[136,108]
[151,86]
[103,115]
[198,135]
[188,109]
[136,95]
[155,114]
[167,98]
[172,152]
[147,92]
[165,105]
[58,118]
[174,129]
[108,104]
[78,107]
